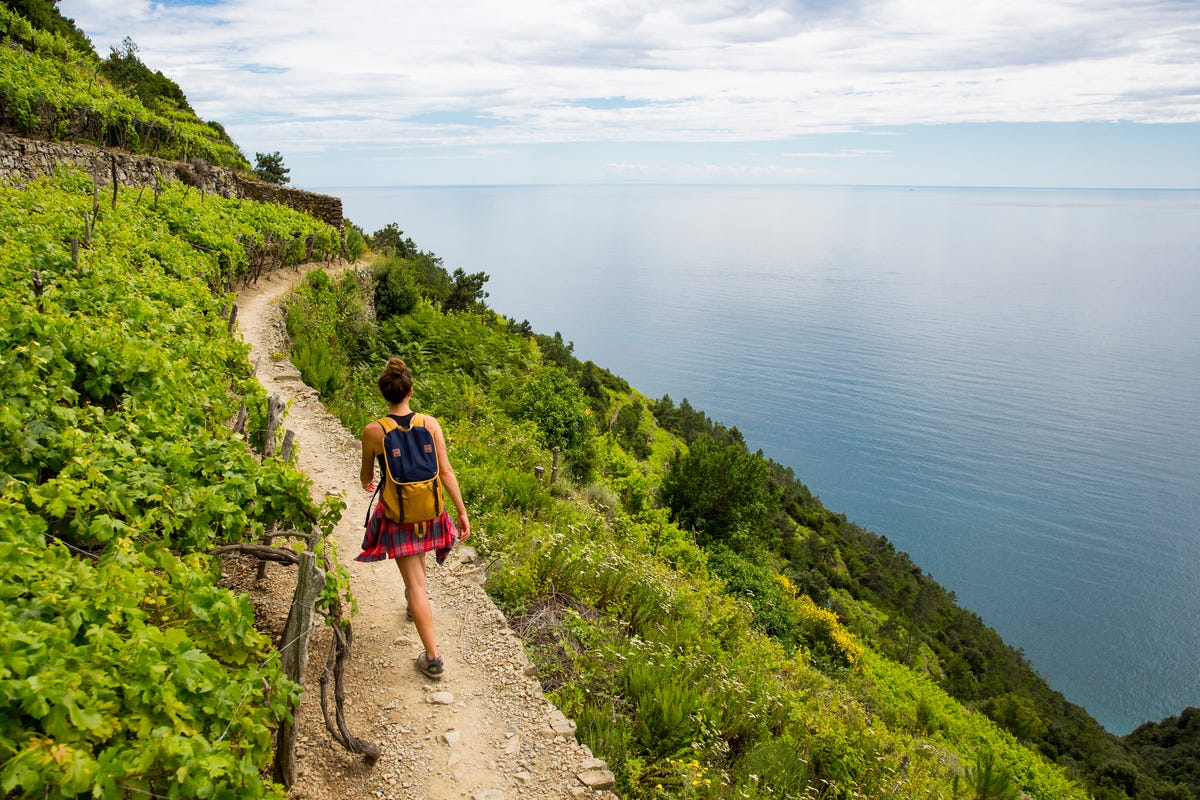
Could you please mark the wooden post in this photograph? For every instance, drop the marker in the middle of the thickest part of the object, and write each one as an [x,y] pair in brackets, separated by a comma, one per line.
[294,648]
[232,318]
[74,251]
[539,471]
[115,183]
[239,425]
[554,467]
[275,407]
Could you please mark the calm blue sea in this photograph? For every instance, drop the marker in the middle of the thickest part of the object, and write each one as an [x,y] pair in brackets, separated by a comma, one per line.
[1004,382]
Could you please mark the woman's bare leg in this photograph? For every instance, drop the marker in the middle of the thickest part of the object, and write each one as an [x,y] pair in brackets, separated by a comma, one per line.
[412,570]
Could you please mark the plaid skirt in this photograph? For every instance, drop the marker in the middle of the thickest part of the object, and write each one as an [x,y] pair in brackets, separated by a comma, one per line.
[386,539]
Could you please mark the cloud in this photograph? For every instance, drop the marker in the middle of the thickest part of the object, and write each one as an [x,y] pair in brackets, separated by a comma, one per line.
[842,154]
[484,73]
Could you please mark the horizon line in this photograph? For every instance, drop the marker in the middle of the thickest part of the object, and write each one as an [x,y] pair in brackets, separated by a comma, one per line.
[544,184]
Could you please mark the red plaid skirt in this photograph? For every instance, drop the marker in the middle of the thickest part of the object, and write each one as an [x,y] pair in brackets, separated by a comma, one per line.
[387,539]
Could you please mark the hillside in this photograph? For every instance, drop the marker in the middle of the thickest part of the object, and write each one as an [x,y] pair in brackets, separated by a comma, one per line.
[54,86]
[658,526]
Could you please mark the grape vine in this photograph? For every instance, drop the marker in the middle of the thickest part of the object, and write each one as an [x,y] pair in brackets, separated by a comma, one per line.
[124,666]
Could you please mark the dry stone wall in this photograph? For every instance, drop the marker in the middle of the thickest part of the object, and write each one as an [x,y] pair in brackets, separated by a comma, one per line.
[23,159]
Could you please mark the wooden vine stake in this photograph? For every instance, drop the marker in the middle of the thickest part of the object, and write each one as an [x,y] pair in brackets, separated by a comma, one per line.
[294,648]
[115,183]
[289,437]
[275,407]
[335,669]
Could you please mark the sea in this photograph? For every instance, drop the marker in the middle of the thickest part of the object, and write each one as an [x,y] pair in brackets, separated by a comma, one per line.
[1004,382]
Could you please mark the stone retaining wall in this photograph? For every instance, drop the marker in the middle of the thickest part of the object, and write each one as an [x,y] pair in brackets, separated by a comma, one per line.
[22,159]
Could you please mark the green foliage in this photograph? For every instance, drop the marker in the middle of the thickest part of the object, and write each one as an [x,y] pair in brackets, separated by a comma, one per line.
[721,491]
[391,241]
[689,423]
[630,430]
[330,331]
[124,668]
[556,351]
[155,90]
[269,167]
[554,402]
[128,674]
[53,87]
[356,241]
[408,273]
[396,291]
[45,16]
[984,780]
[1171,750]
[466,292]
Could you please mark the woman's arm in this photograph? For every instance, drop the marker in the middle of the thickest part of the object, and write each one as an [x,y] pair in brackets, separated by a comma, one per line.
[372,446]
[448,478]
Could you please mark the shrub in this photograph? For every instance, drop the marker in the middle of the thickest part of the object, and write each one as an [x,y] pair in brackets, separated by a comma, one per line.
[554,403]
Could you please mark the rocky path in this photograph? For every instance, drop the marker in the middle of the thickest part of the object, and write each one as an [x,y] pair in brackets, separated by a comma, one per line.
[486,731]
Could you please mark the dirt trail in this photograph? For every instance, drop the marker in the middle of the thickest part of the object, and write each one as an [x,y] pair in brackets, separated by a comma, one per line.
[486,731]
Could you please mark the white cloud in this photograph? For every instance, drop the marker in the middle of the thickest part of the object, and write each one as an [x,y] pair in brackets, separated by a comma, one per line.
[842,154]
[305,74]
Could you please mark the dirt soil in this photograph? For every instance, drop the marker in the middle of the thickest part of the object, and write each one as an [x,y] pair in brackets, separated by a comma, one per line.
[485,731]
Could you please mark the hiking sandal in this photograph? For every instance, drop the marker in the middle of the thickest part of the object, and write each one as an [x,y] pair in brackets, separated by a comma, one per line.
[430,668]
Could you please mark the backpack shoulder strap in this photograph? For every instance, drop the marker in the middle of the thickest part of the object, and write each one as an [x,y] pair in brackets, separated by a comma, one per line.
[388,424]
[417,421]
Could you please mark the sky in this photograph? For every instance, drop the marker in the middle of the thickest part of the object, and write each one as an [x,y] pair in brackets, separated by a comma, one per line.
[1063,93]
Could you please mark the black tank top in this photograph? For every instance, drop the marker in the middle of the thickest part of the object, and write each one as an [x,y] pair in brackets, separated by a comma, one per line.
[403,422]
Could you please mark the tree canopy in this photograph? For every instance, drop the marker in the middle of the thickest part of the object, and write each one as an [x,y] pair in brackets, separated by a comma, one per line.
[722,491]
[269,167]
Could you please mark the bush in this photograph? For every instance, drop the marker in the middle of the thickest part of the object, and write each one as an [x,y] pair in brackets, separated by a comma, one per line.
[722,491]
[395,292]
[554,403]
[356,242]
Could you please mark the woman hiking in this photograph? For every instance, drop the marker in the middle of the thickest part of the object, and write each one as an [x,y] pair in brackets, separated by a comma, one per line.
[408,542]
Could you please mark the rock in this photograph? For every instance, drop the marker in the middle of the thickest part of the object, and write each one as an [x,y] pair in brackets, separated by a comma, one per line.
[592,763]
[468,554]
[488,794]
[597,779]
[442,699]
[560,724]
[452,738]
